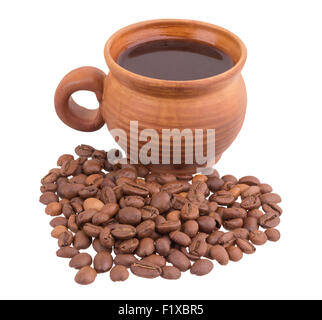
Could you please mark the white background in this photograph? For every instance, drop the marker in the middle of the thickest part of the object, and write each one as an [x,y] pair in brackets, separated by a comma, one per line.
[280,142]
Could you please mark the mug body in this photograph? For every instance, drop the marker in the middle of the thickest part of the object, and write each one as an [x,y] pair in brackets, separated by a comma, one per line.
[217,102]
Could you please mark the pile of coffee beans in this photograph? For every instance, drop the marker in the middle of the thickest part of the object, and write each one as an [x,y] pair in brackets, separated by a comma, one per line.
[153,224]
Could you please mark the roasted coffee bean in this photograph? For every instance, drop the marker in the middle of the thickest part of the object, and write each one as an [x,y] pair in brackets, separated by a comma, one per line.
[161,201]
[48,197]
[220,254]
[119,273]
[189,211]
[235,254]
[265,188]
[88,192]
[106,238]
[255,213]
[129,246]
[103,262]
[65,239]
[69,168]
[191,228]
[272,207]
[272,234]
[218,219]
[108,195]
[92,166]
[173,187]
[227,238]
[249,180]
[129,215]
[77,204]
[258,237]
[251,224]
[164,178]
[241,233]
[149,212]
[162,246]
[155,259]
[93,203]
[145,229]
[235,191]
[153,187]
[132,201]
[250,203]
[124,232]
[98,247]
[201,267]
[80,260]
[58,221]
[179,260]
[54,209]
[206,224]
[251,191]
[180,238]
[233,213]
[269,198]
[85,216]
[69,190]
[170,273]
[233,223]
[72,225]
[85,275]
[214,237]
[270,220]
[57,231]
[146,269]
[84,150]
[125,260]
[50,177]
[190,256]
[223,197]
[198,246]
[145,248]
[215,183]
[168,226]
[134,189]
[67,252]
[92,230]
[48,187]
[67,210]
[173,215]
[81,240]
[245,246]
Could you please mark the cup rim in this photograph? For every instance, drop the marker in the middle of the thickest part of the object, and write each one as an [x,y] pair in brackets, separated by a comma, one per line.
[123,73]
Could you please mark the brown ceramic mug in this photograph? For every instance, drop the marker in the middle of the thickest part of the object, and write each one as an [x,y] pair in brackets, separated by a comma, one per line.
[217,102]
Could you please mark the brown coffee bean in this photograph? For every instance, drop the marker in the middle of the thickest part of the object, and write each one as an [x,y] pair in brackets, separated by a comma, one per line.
[93,203]
[265,188]
[132,201]
[249,180]
[173,187]
[273,234]
[69,190]
[255,213]
[162,246]
[168,226]
[251,224]
[145,248]
[189,211]
[214,237]
[80,260]
[170,273]
[98,247]
[226,239]
[233,223]
[245,246]
[233,213]
[258,237]
[92,166]
[220,254]
[94,180]
[155,259]
[129,215]
[206,224]
[85,216]
[69,168]
[65,239]
[223,197]
[191,228]
[125,260]
[132,188]
[179,260]
[81,240]
[84,150]
[173,215]
[241,233]
[215,183]
[218,219]
[48,187]
[235,253]
[145,229]
[270,220]
[161,201]
[103,262]
[58,221]
[106,238]
[250,203]
[145,269]
[48,197]
[67,210]
[49,178]
[149,212]
[88,192]
[54,209]
[85,275]
[119,273]
[269,198]
[67,252]
[272,207]
[57,231]
[198,246]
[129,246]
[180,238]
[201,267]
[92,230]
[251,191]
[124,232]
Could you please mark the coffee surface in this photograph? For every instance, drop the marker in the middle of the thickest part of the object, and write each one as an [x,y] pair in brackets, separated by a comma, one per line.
[175,60]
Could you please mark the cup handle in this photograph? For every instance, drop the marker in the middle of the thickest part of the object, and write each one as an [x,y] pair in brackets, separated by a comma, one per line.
[72,114]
